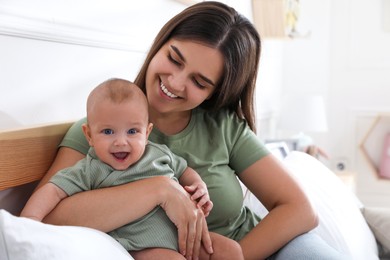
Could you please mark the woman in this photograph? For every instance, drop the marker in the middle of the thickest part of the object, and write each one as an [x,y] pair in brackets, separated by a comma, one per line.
[199,78]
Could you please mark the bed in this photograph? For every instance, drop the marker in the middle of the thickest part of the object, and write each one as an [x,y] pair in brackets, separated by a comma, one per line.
[26,154]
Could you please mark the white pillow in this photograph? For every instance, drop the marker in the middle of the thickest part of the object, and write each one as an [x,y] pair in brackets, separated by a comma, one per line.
[341,223]
[378,220]
[22,238]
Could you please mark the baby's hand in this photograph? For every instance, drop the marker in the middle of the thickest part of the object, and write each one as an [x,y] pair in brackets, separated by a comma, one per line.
[200,194]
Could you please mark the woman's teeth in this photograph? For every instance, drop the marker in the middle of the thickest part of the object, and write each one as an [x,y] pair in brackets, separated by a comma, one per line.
[165,90]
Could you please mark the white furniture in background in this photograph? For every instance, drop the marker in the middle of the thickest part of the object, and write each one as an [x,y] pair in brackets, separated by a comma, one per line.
[370,188]
[301,114]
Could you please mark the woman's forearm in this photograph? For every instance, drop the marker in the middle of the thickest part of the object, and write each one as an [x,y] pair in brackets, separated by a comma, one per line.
[109,208]
[290,211]
[280,226]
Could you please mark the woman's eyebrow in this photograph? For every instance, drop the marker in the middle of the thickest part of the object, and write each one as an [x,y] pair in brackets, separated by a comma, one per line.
[177,51]
[207,79]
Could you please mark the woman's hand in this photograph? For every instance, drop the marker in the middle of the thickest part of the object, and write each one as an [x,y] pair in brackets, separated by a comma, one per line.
[200,195]
[188,218]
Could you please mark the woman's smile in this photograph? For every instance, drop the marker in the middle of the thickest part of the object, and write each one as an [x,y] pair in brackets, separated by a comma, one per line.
[166,91]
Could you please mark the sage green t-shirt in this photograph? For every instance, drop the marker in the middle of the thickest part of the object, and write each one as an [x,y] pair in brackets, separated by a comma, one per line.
[219,146]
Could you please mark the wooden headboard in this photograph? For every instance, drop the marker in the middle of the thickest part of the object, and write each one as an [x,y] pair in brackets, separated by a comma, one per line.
[27,153]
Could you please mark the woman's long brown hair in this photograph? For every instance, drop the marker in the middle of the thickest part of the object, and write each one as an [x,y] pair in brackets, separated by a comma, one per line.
[222,27]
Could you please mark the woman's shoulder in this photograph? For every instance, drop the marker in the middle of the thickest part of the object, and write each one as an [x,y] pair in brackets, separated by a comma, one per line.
[77,124]
[75,139]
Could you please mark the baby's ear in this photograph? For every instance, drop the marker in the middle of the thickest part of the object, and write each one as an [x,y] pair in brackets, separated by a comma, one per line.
[149,130]
[87,133]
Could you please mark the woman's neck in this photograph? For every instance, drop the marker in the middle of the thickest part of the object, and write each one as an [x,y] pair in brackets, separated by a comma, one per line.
[170,123]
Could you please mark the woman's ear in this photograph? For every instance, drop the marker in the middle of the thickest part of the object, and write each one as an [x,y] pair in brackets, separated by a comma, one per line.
[87,133]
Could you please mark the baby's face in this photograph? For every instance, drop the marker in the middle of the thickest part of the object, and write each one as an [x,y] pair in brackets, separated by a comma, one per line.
[119,132]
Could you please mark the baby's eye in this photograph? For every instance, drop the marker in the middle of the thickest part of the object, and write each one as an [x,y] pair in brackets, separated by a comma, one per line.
[132,131]
[107,131]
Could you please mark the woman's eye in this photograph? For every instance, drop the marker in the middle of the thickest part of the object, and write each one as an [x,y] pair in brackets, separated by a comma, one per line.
[199,85]
[132,131]
[108,131]
[173,60]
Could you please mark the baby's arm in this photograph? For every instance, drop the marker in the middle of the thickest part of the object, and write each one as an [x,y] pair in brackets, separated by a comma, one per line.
[194,185]
[43,201]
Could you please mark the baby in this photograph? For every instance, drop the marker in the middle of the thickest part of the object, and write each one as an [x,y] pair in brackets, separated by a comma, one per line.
[117,130]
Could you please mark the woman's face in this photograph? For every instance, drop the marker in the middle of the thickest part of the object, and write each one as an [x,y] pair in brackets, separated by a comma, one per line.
[182,75]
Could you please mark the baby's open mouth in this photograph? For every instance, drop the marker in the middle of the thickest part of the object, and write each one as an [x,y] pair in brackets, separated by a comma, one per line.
[120,155]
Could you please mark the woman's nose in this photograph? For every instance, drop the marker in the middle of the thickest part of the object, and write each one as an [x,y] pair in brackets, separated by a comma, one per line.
[177,81]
